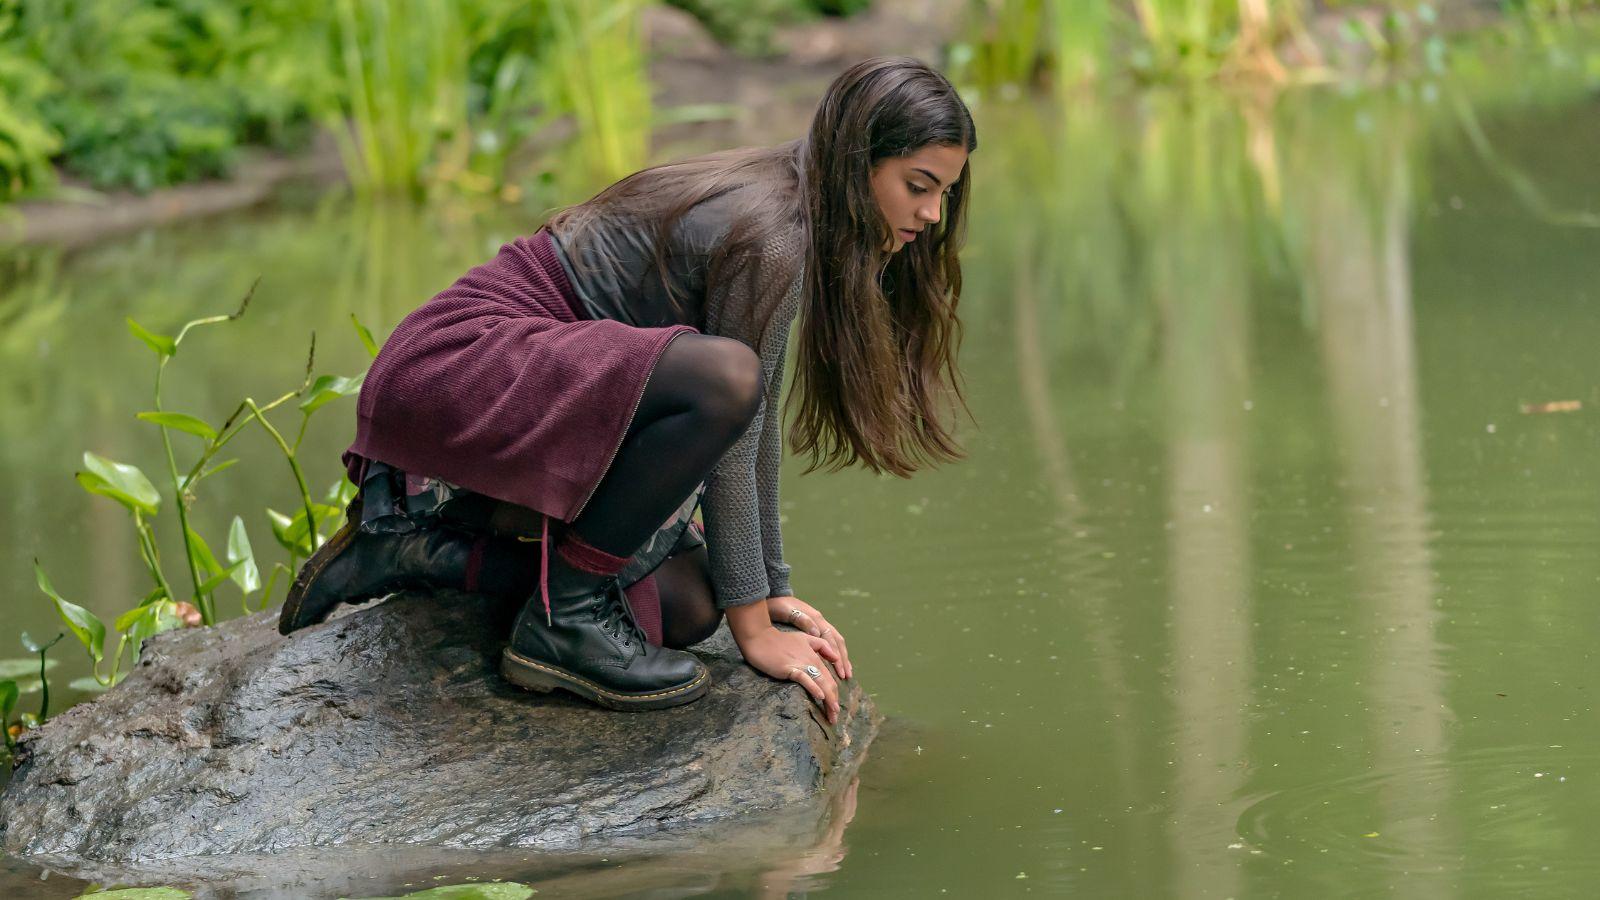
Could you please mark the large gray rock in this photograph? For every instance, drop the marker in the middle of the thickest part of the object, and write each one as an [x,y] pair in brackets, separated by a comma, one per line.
[391,726]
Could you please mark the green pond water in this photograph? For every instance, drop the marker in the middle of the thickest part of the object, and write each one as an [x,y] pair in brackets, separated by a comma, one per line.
[1259,581]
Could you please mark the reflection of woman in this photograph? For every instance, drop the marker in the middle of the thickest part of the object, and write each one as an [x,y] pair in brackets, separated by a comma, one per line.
[623,365]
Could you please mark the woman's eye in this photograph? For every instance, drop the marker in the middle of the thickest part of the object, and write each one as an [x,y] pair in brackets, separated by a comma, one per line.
[915,189]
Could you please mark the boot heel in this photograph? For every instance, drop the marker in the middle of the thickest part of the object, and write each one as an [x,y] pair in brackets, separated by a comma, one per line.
[527,677]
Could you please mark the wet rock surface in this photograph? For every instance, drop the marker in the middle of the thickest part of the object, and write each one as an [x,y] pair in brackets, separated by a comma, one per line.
[391,726]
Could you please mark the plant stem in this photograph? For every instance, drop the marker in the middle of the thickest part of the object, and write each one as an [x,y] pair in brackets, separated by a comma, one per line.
[206,613]
[147,549]
[299,477]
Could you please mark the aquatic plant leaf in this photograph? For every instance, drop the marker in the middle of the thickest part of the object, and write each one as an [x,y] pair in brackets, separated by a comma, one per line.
[85,625]
[89,684]
[158,893]
[217,580]
[119,481]
[151,620]
[33,646]
[366,336]
[162,344]
[329,388]
[22,667]
[245,573]
[207,473]
[280,531]
[8,700]
[201,552]
[29,685]
[341,493]
[181,422]
[497,890]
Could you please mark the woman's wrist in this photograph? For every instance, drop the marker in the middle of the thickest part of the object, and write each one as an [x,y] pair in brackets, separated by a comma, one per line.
[748,620]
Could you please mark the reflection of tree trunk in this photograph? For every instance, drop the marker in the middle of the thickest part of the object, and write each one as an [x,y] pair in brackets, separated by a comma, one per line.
[1358,272]
[1082,556]
[1203,302]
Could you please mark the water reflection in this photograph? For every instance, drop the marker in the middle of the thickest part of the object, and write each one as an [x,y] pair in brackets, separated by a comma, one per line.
[1180,626]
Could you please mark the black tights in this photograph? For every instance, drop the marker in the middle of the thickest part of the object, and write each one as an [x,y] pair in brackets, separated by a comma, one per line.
[701,396]
[699,399]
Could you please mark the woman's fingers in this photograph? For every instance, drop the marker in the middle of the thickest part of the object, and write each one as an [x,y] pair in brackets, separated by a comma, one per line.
[812,686]
[830,690]
[832,635]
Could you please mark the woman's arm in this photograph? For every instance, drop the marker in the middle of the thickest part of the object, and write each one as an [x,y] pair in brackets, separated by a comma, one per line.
[735,506]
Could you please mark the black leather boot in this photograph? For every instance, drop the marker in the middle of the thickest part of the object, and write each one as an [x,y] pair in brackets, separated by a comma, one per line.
[592,646]
[357,565]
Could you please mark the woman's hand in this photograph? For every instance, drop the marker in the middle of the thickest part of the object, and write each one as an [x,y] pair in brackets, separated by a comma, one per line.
[785,655]
[807,619]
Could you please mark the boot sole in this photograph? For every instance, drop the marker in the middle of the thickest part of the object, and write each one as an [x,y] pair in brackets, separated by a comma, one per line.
[544,678]
[289,616]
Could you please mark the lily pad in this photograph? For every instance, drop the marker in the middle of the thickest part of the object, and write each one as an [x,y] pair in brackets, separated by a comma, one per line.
[158,893]
[22,667]
[498,890]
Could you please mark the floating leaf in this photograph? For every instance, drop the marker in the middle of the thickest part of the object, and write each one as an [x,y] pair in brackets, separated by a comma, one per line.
[160,343]
[366,336]
[157,893]
[182,422]
[329,388]
[119,481]
[85,625]
[89,684]
[22,667]
[29,685]
[499,890]
[246,575]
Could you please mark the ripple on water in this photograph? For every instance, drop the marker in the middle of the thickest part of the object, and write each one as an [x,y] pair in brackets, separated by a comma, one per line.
[1516,817]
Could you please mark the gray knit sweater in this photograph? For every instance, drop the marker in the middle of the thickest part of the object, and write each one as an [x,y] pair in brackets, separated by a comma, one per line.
[614,276]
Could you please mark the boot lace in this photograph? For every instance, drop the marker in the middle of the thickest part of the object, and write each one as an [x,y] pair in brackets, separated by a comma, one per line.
[617,618]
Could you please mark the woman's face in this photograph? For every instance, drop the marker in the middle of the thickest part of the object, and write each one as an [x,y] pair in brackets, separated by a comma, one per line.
[910,189]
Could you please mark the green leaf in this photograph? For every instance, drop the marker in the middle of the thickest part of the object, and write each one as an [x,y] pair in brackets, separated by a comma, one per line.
[219,579]
[160,343]
[329,388]
[159,893]
[201,552]
[341,493]
[280,530]
[119,481]
[498,890]
[246,575]
[89,684]
[181,422]
[33,646]
[23,667]
[8,701]
[29,685]
[207,473]
[85,625]
[147,623]
[366,336]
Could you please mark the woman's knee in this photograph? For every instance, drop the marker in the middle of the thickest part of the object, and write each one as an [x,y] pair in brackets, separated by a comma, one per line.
[723,377]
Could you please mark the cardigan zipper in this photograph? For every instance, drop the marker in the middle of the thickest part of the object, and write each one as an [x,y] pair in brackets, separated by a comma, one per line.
[544,537]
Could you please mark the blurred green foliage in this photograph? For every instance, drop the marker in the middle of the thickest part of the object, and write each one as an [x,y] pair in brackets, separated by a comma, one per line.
[419,93]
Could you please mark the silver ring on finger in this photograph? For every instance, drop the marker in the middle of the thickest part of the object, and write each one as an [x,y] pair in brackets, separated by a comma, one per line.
[813,671]
[795,613]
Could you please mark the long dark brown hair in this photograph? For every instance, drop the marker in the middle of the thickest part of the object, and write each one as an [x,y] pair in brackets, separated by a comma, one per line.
[876,375]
